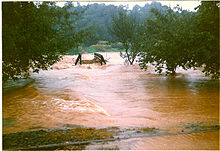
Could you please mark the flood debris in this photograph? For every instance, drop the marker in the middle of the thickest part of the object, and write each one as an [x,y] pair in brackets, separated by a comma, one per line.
[98,58]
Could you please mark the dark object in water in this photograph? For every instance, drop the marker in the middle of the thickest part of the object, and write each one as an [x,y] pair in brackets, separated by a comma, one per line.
[97,56]
[79,58]
[100,57]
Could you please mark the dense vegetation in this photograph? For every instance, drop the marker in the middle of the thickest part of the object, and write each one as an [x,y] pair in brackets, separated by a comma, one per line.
[177,38]
[98,17]
[35,34]
[167,38]
[206,41]
[125,29]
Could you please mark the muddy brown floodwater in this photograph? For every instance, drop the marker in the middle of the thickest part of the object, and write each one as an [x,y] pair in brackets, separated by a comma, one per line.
[117,95]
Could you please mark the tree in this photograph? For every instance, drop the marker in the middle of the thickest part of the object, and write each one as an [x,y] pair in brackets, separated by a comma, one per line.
[69,35]
[124,28]
[167,40]
[177,38]
[33,34]
[206,43]
[96,17]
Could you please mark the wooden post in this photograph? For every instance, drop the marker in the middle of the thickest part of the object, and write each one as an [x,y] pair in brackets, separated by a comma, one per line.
[79,58]
[100,57]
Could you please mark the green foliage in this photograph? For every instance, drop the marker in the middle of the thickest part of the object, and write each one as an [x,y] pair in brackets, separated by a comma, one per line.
[166,39]
[96,17]
[26,32]
[124,28]
[117,45]
[92,50]
[178,38]
[207,38]
[33,34]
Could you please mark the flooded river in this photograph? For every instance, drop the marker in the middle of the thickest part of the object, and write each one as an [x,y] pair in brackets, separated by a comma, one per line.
[116,95]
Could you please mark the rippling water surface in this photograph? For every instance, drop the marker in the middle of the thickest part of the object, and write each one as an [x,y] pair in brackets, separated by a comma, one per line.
[116,95]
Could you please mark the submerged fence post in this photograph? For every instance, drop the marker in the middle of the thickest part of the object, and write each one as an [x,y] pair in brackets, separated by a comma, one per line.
[79,58]
[100,57]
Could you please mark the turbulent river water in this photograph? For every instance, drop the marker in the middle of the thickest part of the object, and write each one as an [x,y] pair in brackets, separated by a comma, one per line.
[116,95]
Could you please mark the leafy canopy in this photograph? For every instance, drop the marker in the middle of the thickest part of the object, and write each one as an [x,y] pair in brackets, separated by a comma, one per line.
[33,34]
[206,40]
[178,38]
[124,28]
[166,40]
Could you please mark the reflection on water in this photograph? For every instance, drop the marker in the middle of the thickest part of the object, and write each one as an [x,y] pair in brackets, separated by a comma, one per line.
[113,95]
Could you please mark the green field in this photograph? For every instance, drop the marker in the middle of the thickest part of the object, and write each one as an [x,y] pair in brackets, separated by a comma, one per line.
[95,48]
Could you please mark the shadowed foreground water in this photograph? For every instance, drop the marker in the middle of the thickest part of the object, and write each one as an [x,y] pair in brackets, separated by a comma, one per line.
[116,95]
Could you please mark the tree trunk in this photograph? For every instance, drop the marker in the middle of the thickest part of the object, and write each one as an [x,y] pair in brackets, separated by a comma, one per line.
[134,54]
[130,62]
[173,71]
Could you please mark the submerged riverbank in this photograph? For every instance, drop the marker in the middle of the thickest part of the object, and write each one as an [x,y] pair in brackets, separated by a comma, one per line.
[76,137]
[114,95]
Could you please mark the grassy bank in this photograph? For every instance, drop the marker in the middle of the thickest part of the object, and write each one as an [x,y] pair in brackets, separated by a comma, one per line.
[99,47]
[90,50]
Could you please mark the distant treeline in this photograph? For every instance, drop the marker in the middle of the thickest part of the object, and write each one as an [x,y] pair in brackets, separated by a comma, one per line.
[98,17]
